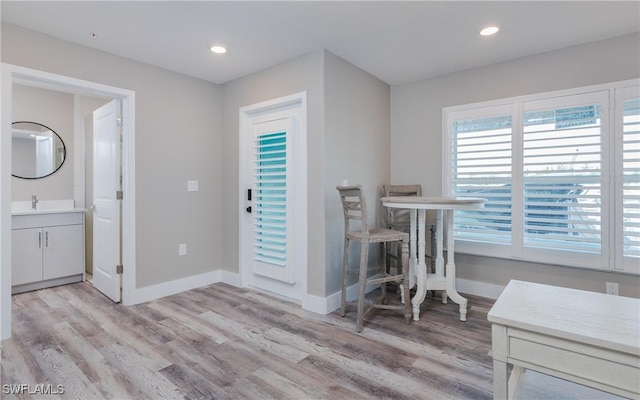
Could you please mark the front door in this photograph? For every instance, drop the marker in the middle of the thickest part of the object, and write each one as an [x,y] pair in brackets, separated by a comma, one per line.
[274,169]
[106,205]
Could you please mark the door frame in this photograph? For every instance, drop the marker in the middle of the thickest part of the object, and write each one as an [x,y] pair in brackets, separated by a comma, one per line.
[31,77]
[295,104]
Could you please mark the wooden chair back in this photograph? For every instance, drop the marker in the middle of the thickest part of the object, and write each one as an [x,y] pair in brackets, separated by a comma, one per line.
[395,218]
[354,207]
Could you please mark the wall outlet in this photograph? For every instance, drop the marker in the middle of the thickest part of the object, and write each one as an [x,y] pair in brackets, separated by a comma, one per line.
[182,249]
[612,288]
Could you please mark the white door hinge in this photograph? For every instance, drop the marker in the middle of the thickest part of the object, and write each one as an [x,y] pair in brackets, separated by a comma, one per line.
[119,269]
[119,195]
[119,121]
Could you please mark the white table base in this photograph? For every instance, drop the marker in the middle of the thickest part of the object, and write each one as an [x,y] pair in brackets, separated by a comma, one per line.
[438,281]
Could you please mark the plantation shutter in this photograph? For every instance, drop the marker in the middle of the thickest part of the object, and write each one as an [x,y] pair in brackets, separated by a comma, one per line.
[631,178]
[482,158]
[270,201]
[562,173]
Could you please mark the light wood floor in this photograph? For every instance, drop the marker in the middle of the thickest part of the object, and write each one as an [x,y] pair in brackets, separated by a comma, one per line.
[221,342]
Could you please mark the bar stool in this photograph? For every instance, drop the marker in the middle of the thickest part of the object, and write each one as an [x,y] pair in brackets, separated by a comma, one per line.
[400,220]
[355,209]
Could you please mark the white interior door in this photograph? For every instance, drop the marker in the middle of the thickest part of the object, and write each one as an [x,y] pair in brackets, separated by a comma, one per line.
[45,161]
[274,169]
[106,206]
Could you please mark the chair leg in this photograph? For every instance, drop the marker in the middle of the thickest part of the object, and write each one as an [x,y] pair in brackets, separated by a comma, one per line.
[387,257]
[433,249]
[362,284]
[405,281]
[383,270]
[398,248]
[345,269]
[432,255]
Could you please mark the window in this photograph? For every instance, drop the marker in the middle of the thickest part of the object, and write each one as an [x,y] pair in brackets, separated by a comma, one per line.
[560,172]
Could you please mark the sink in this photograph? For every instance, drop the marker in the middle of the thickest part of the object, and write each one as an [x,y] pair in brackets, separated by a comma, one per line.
[43,207]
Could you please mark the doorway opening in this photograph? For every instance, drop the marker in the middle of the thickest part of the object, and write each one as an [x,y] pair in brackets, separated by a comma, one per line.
[126,236]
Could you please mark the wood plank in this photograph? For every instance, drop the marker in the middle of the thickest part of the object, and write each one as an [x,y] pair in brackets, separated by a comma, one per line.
[141,371]
[192,384]
[233,343]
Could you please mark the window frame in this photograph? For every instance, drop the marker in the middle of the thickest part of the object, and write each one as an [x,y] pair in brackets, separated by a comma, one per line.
[611,256]
[621,262]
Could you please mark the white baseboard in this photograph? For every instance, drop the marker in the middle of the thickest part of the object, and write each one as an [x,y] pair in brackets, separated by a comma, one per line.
[230,278]
[332,302]
[164,289]
[317,304]
[483,289]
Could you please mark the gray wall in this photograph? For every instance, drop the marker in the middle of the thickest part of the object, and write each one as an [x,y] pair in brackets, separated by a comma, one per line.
[301,74]
[348,138]
[177,138]
[23,158]
[55,110]
[416,134]
[357,148]
[188,129]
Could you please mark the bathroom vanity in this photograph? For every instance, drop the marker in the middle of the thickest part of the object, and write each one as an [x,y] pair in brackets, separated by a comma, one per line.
[47,248]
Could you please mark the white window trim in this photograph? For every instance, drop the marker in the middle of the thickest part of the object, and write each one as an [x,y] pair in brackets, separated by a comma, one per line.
[611,255]
[621,263]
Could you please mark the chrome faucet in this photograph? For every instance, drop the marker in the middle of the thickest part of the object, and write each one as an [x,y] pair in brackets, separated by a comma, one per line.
[34,200]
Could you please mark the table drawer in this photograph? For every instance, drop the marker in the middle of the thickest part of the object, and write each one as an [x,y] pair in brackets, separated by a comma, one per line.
[606,367]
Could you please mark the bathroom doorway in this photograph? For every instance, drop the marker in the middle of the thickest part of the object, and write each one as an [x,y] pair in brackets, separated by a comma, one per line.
[126,236]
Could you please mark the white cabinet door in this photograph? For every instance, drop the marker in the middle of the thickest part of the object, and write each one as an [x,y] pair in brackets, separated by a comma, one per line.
[63,251]
[26,255]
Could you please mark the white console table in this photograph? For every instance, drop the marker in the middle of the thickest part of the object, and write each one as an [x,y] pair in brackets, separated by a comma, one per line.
[589,338]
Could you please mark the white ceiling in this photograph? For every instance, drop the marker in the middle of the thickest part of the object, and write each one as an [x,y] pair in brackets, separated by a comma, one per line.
[396,41]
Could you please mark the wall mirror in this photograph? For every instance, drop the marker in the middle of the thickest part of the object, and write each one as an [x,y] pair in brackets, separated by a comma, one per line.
[36,150]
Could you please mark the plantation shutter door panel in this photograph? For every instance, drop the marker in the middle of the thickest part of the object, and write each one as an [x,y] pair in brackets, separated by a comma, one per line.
[271,200]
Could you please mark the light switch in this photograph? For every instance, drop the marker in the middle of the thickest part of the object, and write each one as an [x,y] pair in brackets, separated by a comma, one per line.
[192,186]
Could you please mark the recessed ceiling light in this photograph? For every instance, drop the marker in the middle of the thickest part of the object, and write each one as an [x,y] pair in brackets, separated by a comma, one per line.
[490,30]
[218,49]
